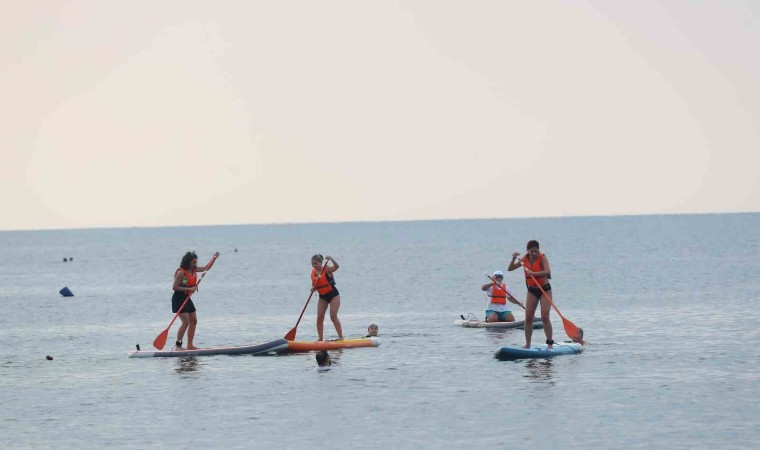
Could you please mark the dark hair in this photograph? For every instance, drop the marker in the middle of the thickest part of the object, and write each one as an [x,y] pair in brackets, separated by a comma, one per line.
[322,357]
[189,256]
[318,257]
[532,244]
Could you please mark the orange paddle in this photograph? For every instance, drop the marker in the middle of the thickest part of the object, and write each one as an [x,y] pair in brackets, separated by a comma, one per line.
[291,335]
[160,340]
[570,328]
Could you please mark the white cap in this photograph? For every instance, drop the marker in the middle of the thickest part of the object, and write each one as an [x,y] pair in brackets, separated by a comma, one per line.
[498,272]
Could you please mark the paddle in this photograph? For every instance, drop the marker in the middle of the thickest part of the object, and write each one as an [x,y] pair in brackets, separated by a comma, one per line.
[489,277]
[291,335]
[160,340]
[570,328]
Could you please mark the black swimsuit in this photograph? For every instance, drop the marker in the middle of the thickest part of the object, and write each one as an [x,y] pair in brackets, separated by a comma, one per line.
[537,292]
[178,298]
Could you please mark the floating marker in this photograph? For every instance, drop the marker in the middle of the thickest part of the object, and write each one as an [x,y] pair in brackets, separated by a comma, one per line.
[66,292]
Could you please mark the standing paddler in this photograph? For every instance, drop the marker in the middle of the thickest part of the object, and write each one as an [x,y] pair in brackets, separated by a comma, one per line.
[185,284]
[537,274]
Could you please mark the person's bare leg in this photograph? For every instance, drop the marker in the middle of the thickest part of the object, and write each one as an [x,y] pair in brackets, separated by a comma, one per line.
[546,308]
[185,318]
[334,307]
[191,331]
[321,309]
[531,302]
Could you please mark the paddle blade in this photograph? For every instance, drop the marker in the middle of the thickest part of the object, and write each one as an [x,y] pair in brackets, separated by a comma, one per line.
[160,340]
[570,329]
[291,336]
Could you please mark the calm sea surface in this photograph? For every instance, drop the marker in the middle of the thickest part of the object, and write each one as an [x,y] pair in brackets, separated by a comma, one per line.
[669,304]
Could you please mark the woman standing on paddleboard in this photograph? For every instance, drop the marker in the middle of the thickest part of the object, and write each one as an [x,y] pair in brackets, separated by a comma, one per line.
[537,273]
[185,283]
[322,281]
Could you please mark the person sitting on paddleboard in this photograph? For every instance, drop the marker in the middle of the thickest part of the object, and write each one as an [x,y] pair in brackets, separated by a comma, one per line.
[371,330]
[537,270]
[498,293]
[185,283]
[322,281]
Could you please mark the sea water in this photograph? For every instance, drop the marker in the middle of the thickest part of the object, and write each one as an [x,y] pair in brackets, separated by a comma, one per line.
[669,305]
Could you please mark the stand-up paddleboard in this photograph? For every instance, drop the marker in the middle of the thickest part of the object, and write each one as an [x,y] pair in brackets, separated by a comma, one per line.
[475,323]
[261,349]
[539,351]
[307,346]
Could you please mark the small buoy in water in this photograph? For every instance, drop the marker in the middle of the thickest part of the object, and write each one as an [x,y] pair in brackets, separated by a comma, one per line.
[235,250]
[64,259]
[49,358]
[71,258]
[66,292]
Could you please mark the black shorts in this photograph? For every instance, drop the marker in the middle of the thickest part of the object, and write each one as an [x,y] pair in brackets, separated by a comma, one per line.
[178,299]
[537,292]
[330,295]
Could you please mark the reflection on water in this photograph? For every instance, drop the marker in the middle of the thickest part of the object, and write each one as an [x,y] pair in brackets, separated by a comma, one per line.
[515,335]
[187,364]
[540,370]
[497,335]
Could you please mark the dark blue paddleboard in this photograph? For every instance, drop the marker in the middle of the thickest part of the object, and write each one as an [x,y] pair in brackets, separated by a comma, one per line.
[260,349]
[538,351]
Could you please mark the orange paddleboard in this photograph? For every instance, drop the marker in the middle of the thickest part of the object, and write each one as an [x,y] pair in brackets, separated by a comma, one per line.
[308,346]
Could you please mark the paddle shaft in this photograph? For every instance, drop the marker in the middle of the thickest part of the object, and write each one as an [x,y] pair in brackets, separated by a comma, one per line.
[548,297]
[569,326]
[303,311]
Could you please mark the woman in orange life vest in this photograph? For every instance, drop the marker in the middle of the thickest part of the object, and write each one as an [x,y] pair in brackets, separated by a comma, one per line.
[328,294]
[185,283]
[537,264]
[498,293]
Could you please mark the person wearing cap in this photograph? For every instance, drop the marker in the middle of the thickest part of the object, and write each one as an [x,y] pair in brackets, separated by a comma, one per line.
[498,294]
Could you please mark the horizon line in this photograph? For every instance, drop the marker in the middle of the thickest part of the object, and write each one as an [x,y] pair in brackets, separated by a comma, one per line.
[148,227]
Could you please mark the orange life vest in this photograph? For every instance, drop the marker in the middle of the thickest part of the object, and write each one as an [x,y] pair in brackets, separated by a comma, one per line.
[325,282]
[190,279]
[537,266]
[498,294]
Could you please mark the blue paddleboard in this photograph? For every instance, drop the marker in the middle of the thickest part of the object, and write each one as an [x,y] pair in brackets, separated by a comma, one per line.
[538,351]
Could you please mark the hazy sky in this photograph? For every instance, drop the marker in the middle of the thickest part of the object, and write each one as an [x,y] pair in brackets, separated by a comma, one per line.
[151,113]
